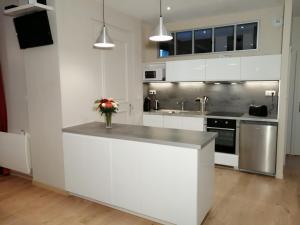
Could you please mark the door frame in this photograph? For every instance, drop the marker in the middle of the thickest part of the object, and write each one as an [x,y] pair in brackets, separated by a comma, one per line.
[296,73]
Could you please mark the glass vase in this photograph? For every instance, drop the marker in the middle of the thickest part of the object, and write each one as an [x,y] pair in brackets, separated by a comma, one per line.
[108,117]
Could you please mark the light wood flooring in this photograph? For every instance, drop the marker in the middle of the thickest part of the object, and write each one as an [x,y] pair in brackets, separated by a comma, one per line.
[240,199]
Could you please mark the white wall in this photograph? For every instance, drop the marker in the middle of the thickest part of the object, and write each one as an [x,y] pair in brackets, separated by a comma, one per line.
[80,64]
[296,33]
[295,49]
[270,37]
[54,86]
[285,85]
[12,63]
[32,89]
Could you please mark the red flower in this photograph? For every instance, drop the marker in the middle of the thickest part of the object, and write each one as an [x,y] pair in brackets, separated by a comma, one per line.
[108,105]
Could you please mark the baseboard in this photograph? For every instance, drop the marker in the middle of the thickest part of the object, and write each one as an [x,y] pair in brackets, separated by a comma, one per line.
[50,188]
[21,175]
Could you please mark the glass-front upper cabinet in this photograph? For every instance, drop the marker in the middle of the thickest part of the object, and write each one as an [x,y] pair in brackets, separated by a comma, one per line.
[224,39]
[184,42]
[246,36]
[166,48]
[203,40]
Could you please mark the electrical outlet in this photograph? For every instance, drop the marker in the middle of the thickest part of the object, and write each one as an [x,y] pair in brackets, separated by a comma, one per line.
[152,92]
[270,93]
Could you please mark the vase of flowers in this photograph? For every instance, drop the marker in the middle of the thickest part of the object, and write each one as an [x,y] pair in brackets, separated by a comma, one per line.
[107,106]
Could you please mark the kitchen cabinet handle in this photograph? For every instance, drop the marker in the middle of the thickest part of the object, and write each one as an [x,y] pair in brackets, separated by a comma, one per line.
[218,128]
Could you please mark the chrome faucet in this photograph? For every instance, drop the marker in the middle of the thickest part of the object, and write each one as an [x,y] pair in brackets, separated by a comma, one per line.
[182,105]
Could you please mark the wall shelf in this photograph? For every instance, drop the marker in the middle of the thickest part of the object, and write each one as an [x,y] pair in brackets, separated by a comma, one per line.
[27,9]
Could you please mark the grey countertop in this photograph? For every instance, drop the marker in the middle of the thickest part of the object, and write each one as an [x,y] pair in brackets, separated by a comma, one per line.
[163,136]
[245,117]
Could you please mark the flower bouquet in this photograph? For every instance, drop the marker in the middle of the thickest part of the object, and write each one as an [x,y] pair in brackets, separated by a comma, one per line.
[107,106]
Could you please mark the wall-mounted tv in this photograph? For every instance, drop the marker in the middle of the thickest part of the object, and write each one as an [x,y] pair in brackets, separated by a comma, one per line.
[33,30]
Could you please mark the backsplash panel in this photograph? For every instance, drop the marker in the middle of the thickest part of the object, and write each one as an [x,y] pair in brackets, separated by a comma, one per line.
[222,97]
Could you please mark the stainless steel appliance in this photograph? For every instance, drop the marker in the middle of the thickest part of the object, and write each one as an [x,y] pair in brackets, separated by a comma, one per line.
[227,130]
[154,72]
[258,147]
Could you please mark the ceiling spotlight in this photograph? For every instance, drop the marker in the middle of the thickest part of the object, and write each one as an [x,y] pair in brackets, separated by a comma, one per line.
[168,8]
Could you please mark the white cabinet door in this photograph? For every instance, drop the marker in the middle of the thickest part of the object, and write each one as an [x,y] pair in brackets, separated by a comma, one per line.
[126,173]
[86,156]
[186,70]
[153,120]
[168,172]
[174,122]
[192,123]
[223,69]
[266,67]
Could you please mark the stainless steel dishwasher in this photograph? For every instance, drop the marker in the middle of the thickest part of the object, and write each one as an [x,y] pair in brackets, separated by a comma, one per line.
[258,147]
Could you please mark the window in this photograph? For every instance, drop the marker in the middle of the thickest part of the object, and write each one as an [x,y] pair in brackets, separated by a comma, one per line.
[224,39]
[246,36]
[184,42]
[203,40]
[235,37]
[166,48]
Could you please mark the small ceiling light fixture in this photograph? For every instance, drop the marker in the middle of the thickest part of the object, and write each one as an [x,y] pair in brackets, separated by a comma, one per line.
[104,40]
[160,33]
[168,8]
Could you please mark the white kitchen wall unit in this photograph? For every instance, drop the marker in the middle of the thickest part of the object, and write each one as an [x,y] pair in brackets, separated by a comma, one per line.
[265,67]
[223,69]
[185,70]
[27,9]
[174,122]
[153,120]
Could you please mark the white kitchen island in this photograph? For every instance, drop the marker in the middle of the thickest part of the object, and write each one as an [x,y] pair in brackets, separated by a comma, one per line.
[165,175]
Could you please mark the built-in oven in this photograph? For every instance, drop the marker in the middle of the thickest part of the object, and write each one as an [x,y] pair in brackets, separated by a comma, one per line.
[154,72]
[226,141]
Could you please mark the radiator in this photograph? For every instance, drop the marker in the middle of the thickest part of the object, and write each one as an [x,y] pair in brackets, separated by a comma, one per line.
[15,152]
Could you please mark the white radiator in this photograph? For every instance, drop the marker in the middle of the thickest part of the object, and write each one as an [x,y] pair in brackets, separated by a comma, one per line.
[15,152]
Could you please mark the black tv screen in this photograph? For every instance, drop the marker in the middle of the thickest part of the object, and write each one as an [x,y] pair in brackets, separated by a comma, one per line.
[33,30]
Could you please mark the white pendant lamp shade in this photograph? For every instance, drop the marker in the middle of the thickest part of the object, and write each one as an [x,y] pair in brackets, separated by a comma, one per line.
[104,40]
[160,33]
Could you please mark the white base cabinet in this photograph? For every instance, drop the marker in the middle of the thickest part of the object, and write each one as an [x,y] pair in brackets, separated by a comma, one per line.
[174,122]
[174,185]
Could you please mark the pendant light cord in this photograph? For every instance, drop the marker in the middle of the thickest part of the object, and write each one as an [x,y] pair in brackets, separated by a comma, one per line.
[160,9]
[103,13]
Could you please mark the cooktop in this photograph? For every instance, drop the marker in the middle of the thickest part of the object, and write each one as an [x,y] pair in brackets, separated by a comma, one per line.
[225,114]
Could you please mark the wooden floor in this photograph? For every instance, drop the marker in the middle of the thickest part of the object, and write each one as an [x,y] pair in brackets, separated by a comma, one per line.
[240,199]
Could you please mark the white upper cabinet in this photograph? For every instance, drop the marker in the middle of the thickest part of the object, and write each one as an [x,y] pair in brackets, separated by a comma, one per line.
[261,67]
[223,69]
[186,70]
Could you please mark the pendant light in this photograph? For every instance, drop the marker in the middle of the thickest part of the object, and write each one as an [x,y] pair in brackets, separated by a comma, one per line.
[104,40]
[160,33]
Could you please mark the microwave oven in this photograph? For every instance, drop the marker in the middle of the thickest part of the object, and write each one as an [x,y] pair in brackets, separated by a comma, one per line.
[154,72]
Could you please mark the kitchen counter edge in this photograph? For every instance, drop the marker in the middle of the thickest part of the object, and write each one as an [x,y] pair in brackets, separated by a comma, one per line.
[163,136]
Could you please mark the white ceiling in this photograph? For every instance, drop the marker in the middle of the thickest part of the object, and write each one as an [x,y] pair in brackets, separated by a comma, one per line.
[296,8]
[148,10]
